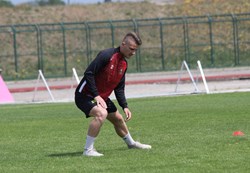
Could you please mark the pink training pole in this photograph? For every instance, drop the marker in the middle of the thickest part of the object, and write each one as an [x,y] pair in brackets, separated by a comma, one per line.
[5,95]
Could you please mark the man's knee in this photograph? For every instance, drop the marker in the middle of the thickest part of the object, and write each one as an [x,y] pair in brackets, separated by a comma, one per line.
[101,115]
[117,119]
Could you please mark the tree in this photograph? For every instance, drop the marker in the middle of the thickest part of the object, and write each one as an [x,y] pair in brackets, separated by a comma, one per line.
[5,3]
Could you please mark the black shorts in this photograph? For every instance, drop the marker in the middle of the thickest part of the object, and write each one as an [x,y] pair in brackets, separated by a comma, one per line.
[85,103]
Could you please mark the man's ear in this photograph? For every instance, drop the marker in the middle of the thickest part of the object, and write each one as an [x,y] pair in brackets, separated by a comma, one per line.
[123,43]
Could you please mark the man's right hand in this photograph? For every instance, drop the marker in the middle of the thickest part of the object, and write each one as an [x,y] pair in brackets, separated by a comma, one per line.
[100,102]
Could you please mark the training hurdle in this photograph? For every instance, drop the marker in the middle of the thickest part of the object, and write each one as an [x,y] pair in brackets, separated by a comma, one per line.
[196,89]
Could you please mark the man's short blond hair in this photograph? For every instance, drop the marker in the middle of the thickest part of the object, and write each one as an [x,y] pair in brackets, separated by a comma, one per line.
[135,36]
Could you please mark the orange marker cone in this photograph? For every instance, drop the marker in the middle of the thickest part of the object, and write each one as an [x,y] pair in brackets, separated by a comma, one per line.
[238,133]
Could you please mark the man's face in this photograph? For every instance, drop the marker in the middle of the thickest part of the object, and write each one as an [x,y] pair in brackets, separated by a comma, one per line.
[129,48]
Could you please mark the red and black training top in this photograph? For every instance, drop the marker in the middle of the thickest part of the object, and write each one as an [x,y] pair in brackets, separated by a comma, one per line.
[105,74]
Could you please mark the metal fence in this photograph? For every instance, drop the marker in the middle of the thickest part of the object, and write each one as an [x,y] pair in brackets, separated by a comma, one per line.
[215,40]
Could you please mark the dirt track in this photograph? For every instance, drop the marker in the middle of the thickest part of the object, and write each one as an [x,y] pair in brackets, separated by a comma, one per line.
[139,85]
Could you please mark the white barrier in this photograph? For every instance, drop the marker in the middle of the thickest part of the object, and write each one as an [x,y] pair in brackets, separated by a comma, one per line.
[184,64]
[40,75]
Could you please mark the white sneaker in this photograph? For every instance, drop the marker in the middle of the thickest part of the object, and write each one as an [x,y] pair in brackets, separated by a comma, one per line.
[138,145]
[91,152]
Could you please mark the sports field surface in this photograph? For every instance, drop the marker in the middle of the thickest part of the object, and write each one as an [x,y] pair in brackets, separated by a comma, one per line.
[188,134]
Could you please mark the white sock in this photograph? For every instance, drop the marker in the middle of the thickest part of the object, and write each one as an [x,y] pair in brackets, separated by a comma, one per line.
[128,139]
[89,143]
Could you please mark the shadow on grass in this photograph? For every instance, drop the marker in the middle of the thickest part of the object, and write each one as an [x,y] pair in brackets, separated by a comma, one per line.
[80,153]
[72,154]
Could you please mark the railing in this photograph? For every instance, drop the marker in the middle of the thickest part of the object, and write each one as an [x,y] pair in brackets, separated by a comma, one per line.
[215,40]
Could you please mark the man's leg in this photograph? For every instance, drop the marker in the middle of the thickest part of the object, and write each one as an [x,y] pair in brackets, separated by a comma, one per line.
[121,129]
[99,115]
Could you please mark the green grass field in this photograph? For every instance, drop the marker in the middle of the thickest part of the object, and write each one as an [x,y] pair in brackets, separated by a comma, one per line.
[187,133]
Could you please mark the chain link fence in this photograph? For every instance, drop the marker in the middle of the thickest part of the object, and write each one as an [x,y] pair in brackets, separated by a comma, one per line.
[55,48]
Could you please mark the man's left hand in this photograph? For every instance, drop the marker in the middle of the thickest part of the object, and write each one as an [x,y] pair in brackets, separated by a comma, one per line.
[128,114]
